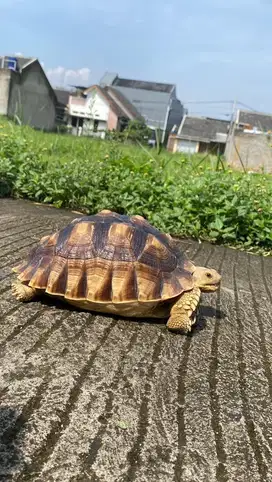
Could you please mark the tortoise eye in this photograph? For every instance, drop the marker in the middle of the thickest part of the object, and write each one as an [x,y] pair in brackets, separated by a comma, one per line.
[208,275]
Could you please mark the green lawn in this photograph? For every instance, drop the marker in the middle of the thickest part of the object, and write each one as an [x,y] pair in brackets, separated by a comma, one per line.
[177,193]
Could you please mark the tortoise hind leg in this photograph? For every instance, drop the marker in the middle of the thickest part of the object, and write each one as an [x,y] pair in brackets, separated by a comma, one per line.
[182,314]
[23,292]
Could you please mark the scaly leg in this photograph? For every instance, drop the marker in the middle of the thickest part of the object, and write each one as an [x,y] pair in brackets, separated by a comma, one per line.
[23,292]
[182,314]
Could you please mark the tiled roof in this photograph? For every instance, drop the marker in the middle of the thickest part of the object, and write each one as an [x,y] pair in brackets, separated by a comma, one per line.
[202,128]
[143,84]
[262,122]
[62,96]
[124,102]
[118,103]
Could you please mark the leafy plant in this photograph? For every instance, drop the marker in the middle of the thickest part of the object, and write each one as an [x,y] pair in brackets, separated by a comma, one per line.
[175,193]
[137,130]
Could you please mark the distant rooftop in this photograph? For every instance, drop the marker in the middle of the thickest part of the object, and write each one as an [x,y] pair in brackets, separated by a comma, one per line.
[143,84]
[262,122]
[156,102]
[21,62]
[111,78]
[116,94]
[118,102]
[202,128]
[62,95]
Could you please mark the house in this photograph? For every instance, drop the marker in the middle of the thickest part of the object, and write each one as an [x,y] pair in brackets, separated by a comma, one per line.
[249,145]
[156,102]
[199,134]
[254,122]
[99,109]
[62,96]
[25,92]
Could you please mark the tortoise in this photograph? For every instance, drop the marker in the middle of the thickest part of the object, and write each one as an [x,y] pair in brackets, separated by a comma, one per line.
[118,264]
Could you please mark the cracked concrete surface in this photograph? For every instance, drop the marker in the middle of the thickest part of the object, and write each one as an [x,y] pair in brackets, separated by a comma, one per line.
[85,397]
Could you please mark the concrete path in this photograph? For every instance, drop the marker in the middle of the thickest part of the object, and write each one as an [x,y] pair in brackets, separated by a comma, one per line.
[91,398]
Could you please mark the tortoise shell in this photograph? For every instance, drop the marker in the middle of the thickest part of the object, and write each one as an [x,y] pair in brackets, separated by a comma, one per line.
[108,257]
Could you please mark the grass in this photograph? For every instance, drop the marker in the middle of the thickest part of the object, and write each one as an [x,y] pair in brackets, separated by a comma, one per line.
[176,193]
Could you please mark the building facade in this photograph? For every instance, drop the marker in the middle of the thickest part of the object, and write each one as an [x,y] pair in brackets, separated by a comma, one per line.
[156,102]
[26,93]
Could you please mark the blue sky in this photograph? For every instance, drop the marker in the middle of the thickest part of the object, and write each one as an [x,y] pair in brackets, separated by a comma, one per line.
[211,49]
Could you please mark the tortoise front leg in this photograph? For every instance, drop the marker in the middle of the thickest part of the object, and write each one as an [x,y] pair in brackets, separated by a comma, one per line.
[23,292]
[182,314]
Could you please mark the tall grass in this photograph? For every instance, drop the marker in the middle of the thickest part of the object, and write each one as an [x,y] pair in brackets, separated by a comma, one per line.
[177,193]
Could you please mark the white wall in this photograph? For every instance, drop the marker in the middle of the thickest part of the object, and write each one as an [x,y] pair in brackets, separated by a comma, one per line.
[4,90]
[97,106]
[187,146]
[94,107]
[89,125]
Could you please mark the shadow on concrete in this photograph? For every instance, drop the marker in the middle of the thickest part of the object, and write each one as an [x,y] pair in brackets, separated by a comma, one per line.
[205,312]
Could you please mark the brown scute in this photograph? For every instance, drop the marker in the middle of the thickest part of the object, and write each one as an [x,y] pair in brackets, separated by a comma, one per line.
[138,242]
[175,283]
[39,257]
[103,290]
[76,271]
[158,255]
[76,241]
[170,287]
[81,234]
[148,282]
[58,276]
[100,238]
[118,246]
[40,277]
[137,217]
[36,269]
[81,293]
[104,212]
[120,234]
[124,283]
[99,274]
[23,266]
[28,271]
[145,226]
[188,265]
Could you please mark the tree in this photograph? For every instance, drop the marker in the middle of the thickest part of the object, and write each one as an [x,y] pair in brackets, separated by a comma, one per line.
[137,130]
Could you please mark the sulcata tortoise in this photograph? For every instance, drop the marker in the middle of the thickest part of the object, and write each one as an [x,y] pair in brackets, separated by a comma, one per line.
[117,264]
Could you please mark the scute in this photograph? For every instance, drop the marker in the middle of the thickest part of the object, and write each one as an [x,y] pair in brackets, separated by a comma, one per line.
[108,257]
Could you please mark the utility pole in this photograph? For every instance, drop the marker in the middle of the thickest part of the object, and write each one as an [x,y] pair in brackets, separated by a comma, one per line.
[234,105]
[230,136]
[233,116]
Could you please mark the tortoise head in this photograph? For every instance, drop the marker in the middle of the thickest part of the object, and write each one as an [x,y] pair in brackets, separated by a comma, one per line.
[207,279]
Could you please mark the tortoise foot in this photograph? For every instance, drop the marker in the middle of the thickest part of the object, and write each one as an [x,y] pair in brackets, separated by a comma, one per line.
[22,292]
[180,323]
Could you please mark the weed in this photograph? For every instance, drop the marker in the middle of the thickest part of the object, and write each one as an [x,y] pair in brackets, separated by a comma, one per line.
[175,193]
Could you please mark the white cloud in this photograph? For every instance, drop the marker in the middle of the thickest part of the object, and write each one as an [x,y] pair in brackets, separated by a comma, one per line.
[62,77]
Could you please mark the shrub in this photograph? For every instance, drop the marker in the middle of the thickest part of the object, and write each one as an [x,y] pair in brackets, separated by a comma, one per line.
[88,175]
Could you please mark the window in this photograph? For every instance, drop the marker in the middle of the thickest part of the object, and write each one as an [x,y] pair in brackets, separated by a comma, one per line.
[123,123]
[95,125]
